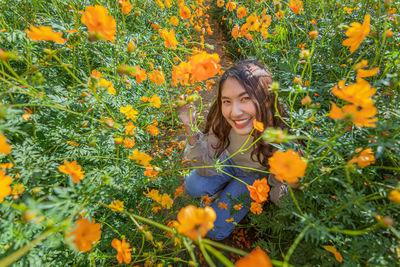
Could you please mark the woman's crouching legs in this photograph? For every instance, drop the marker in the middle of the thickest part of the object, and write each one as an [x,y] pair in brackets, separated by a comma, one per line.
[197,185]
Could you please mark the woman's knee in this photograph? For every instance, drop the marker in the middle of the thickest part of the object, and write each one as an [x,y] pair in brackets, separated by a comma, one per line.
[219,233]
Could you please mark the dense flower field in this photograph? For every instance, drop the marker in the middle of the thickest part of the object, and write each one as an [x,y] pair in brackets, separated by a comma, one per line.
[91,165]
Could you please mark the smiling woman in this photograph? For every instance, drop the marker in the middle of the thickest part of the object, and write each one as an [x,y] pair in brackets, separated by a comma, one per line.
[243,99]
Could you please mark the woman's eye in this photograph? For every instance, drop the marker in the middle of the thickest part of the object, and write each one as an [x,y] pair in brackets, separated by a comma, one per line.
[225,102]
[246,98]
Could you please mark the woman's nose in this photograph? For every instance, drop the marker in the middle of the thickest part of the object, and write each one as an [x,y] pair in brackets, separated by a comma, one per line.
[236,109]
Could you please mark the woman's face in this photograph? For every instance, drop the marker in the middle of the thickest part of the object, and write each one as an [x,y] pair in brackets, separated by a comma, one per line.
[237,107]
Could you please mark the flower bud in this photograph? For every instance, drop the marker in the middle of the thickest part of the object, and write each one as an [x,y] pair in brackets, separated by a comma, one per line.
[313,34]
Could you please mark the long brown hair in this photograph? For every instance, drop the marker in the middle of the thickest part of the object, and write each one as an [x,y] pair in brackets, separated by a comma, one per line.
[255,79]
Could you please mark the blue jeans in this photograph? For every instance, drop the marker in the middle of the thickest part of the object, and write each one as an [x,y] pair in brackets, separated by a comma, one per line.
[197,186]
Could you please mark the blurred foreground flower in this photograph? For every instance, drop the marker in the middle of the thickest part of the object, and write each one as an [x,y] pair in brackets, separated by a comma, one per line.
[5,148]
[99,23]
[360,117]
[5,181]
[123,250]
[73,169]
[44,33]
[256,258]
[85,234]
[287,166]
[194,222]
[394,196]
[277,136]
[365,158]
[356,33]
[204,66]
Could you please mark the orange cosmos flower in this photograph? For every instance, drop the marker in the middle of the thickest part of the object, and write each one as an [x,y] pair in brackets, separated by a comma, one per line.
[194,222]
[222,206]
[256,258]
[359,93]
[123,250]
[117,205]
[206,200]
[5,148]
[204,66]
[85,234]
[287,166]
[44,33]
[238,206]
[235,31]
[181,73]
[139,74]
[259,126]
[313,34]
[99,23]
[357,33]
[140,158]
[153,130]
[296,6]
[231,6]
[365,158]
[279,14]
[169,38]
[5,181]
[157,77]
[129,128]
[184,12]
[174,21]
[179,191]
[73,169]
[333,250]
[129,143]
[256,208]
[259,190]
[306,100]
[150,171]
[360,117]
[125,6]
[241,12]
[220,3]
[394,196]
[252,23]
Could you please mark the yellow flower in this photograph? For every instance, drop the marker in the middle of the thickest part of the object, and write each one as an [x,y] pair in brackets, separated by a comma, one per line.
[252,23]
[365,158]
[44,33]
[5,148]
[357,33]
[155,101]
[99,23]
[231,6]
[18,189]
[5,181]
[108,85]
[140,158]
[166,201]
[194,222]
[129,112]
[73,169]
[117,205]
[85,234]
[287,166]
